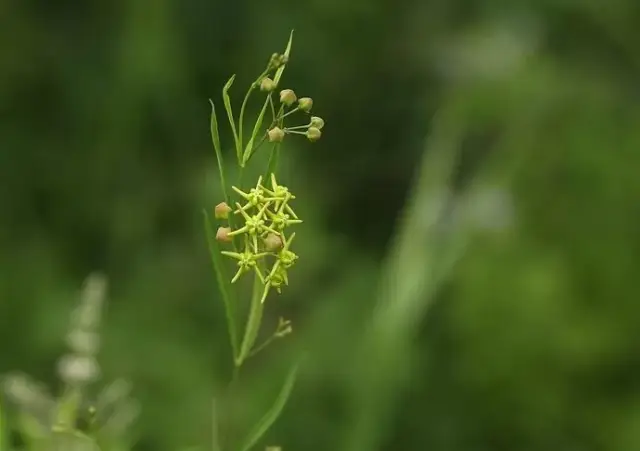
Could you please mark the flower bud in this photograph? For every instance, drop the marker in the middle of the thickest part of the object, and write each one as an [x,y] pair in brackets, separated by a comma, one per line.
[267,85]
[222,210]
[223,234]
[288,97]
[305,104]
[313,134]
[276,135]
[317,122]
[274,61]
[273,242]
[277,60]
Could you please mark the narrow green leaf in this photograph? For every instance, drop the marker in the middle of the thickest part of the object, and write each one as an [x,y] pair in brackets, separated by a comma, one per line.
[227,106]
[254,320]
[273,161]
[224,283]
[269,418]
[254,134]
[215,138]
[287,52]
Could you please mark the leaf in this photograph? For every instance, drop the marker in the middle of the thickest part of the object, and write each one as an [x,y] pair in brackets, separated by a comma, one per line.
[287,52]
[215,138]
[256,130]
[254,320]
[227,106]
[269,418]
[224,284]
[273,160]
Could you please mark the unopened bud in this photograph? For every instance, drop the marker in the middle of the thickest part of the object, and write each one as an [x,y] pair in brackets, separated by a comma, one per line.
[223,234]
[276,135]
[277,60]
[305,104]
[267,84]
[222,210]
[313,134]
[273,242]
[288,97]
[273,61]
[317,122]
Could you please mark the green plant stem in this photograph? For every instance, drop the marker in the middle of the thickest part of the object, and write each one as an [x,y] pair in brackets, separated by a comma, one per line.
[288,113]
[275,150]
[263,345]
[273,110]
[295,132]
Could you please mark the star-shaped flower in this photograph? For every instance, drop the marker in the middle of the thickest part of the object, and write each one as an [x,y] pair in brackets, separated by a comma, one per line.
[247,260]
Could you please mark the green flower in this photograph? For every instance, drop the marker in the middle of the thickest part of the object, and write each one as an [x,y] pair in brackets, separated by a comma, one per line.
[255,196]
[247,261]
[281,196]
[254,225]
[280,219]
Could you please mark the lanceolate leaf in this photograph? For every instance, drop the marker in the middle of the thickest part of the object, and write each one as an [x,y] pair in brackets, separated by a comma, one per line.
[256,130]
[227,106]
[273,413]
[224,284]
[215,137]
[287,52]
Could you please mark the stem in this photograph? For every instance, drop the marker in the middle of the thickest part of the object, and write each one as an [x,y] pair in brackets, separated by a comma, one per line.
[275,150]
[273,110]
[226,433]
[266,343]
[288,113]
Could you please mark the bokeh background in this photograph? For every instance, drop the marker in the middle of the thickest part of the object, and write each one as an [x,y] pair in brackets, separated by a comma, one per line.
[530,342]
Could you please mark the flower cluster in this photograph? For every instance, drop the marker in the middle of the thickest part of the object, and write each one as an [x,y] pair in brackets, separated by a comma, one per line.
[266,214]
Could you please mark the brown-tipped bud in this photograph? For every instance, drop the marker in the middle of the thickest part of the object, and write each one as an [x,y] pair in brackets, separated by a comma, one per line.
[317,122]
[223,234]
[222,210]
[267,85]
[313,134]
[273,242]
[288,97]
[276,135]
[305,104]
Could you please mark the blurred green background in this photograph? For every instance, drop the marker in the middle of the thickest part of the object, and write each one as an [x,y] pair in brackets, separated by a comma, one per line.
[530,343]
